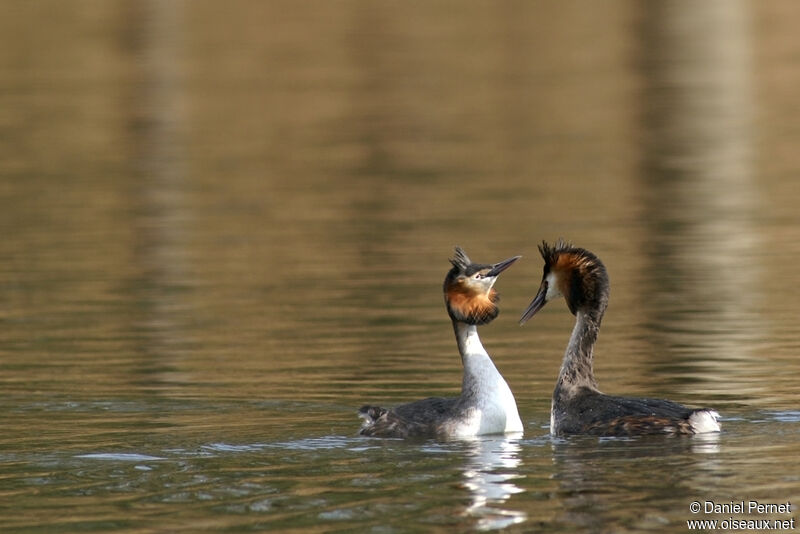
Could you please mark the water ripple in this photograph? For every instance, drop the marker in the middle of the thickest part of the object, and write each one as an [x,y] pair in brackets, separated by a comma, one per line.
[120,457]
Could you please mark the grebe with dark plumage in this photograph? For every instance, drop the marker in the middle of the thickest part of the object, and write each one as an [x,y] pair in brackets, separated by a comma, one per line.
[578,406]
[486,404]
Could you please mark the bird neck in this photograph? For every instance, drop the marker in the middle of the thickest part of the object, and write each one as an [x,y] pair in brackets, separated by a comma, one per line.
[479,370]
[469,343]
[577,368]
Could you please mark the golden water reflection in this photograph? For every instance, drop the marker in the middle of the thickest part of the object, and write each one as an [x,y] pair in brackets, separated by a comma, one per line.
[232,225]
[700,190]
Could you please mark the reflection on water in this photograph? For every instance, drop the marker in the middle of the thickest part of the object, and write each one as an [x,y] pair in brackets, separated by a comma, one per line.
[226,229]
[492,467]
[706,443]
[700,189]
[596,478]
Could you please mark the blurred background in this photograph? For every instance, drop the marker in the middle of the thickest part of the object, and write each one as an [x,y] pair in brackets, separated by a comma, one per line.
[188,187]
[234,218]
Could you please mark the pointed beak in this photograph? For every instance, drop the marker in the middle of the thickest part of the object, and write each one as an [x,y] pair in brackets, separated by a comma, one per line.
[536,304]
[498,268]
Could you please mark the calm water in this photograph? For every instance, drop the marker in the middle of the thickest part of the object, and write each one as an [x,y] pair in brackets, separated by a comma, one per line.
[225,228]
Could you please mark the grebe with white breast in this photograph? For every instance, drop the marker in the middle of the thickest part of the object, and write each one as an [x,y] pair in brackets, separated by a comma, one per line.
[486,404]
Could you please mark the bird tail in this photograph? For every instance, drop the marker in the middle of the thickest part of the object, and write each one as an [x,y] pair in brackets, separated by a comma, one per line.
[703,421]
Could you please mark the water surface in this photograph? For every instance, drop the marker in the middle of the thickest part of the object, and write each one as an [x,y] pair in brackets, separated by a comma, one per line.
[225,230]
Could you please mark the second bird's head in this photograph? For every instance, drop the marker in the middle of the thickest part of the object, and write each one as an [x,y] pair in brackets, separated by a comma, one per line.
[469,292]
[575,274]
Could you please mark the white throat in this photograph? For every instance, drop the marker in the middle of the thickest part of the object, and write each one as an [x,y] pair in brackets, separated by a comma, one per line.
[469,343]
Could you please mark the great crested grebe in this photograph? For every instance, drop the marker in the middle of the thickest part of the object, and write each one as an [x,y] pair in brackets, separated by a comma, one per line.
[578,407]
[486,404]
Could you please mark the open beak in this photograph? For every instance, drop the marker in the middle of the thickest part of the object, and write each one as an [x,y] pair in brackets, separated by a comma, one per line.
[536,304]
[498,268]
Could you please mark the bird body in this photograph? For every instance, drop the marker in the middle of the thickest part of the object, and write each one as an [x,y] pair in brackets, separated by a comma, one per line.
[486,404]
[578,406]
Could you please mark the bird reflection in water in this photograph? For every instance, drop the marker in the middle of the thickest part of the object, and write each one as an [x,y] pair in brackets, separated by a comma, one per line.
[492,465]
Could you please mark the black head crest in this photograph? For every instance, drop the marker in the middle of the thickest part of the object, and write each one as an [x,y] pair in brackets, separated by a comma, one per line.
[550,253]
[461,261]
